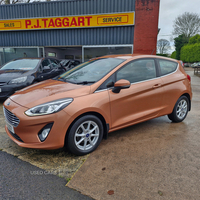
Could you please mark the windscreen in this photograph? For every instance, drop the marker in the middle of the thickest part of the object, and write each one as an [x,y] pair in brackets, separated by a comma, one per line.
[91,71]
[24,64]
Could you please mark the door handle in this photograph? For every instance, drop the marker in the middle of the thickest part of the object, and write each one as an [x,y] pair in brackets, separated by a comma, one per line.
[157,85]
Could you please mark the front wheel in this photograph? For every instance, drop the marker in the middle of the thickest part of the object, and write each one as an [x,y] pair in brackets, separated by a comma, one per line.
[85,135]
[180,110]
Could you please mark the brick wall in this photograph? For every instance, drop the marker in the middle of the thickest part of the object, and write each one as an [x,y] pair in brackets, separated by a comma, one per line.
[146,26]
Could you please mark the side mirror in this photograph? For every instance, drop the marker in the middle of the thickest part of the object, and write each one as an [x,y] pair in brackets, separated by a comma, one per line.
[121,84]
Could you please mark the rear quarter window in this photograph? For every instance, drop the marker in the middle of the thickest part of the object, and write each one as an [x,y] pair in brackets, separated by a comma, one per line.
[167,67]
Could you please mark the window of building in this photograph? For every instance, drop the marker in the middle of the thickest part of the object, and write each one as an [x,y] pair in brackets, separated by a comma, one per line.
[51,54]
[97,51]
[9,53]
[9,50]
[70,57]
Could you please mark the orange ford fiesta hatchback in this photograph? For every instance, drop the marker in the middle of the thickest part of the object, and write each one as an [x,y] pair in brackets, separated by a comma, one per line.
[78,108]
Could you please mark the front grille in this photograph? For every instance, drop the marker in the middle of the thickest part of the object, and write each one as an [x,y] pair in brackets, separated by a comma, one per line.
[10,117]
[2,83]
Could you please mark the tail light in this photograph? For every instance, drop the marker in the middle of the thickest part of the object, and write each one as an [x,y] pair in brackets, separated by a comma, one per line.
[188,77]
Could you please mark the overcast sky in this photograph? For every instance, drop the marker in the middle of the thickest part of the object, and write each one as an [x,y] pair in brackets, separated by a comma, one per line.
[169,10]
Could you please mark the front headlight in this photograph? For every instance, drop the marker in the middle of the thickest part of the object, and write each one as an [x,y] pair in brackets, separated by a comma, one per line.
[18,80]
[49,108]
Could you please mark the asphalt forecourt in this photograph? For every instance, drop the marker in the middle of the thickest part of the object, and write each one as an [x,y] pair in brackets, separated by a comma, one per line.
[156,160]
[21,180]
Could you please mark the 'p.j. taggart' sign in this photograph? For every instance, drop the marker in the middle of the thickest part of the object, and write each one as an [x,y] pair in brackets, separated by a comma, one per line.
[116,19]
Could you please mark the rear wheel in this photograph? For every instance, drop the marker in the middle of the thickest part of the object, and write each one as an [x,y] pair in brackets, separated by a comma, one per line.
[180,110]
[85,135]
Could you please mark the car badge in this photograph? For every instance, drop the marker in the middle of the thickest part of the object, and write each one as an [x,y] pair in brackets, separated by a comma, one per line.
[8,103]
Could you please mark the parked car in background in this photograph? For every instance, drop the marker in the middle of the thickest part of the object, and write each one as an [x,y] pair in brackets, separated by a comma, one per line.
[196,64]
[78,108]
[186,65]
[69,64]
[193,64]
[23,72]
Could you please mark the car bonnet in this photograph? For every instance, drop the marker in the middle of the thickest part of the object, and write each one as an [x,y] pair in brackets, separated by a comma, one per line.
[48,91]
[7,75]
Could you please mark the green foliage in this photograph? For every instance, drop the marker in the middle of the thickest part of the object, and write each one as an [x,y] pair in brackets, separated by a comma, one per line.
[190,53]
[180,41]
[68,179]
[173,55]
[194,39]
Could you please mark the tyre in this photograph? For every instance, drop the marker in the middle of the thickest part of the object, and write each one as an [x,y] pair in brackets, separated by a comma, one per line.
[180,110]
[85,135]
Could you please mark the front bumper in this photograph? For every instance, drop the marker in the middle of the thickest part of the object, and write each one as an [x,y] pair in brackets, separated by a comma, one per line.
[26,133]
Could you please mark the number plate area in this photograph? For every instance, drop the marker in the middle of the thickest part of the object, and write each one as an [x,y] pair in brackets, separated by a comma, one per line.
[10,127]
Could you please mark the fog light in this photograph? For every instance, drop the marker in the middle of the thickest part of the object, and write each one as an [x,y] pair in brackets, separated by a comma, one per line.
[45,132]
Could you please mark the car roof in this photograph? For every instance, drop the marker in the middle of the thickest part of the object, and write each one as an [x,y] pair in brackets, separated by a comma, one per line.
[35,58]
[131,56]
[26,58]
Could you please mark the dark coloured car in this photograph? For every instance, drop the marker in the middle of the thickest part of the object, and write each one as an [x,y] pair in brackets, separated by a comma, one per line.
[20,73]
[69,64]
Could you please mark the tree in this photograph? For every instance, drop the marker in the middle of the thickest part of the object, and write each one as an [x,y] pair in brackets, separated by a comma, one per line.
[179,42]
[187,24]
[173,55]
[194,39]
[2,2]
[13,1]
[191,51]
[163,46]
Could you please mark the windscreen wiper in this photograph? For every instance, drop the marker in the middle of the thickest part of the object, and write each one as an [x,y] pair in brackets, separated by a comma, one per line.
[85,82]
[59,79]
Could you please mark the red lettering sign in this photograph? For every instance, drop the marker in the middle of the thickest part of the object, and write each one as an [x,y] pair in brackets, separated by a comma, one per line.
[38,25]
[45,22]
[88,20]
[65,22]
[81,20]
[51,23]
[58,22]
[73,22]
[28,23]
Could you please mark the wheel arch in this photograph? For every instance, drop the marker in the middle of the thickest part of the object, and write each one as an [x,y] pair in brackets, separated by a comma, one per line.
[105,125]
[189,99]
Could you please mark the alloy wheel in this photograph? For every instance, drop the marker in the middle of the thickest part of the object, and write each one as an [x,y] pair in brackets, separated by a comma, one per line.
[182,108]
[86,135]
